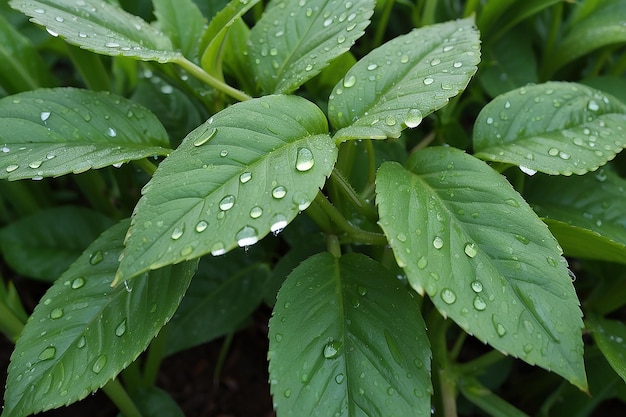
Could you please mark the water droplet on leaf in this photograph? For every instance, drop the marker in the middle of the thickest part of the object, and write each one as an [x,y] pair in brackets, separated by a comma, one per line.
[331,349]
[304,159]
[99,364]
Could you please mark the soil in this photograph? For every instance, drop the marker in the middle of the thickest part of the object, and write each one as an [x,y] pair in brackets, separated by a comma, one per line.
[242,389]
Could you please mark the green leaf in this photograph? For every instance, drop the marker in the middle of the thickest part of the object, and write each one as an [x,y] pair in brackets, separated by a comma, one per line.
[609,84]
[214,38]
[223,294]
[586,214]
[44,245]
[294,41]
[486,400]
[52,132]
[84,332]
[604,26]
[155,402]
[556,128]
[183,23]
[404,80]
[363,350]
[464,235]
[508,13]
[21,67]
[244,173]
[610,336]
[100,27]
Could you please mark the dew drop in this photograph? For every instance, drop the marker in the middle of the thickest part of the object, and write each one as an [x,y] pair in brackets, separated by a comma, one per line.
[112,45]
[218,249]
[82,342]
[287,393]
[300,199]
[279,192]
[479,303]
[553,151]
[48,353]
[477,286]
[224,153]
[489,120]
[470,249]
[422,262]
[437,242]
[435,61]
[512,202]
[35,164]
[201,226]
[227,202]
[204,139]
[339,378]
[56,313]
[448,296]
[78,282]
[11,168]
[448,48]
[413,118]
[428,81]
[278,337]
[96,257]
[458,65]
[362,291]
[527,171]
[552,262]
[390,120]
[45,115]
[99,364]
[120,329]
[349,82]
[247,236]
[304,160]
[256,212]
[401,237]
[279,222]
[112,132]
[177,233]
[593,106]
[331,350]
[522,239]
[500,329]
[564,156]
[245,177]
[372,67]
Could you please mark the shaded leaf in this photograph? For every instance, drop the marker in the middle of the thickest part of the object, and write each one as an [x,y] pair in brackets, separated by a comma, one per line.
[586,214]
[155,402]
[51,132]
[363,350]
[555,128]
[486,400]
[610,336]
[83,333]
[609,84]
[222,295]
[183,22]
[100,27]
[404,80]
[45,244]
[294,41]
[464,235]
[244,173]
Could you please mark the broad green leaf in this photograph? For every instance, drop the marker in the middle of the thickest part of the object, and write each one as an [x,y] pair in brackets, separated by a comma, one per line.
[604,26]
[508,63]
[83,332]
[404,80]
[505,14]
[235,63]
[45,244]
[52,132]
[214,37]
[224,292]
[100,27]
[294,41]
[586,214]
[183,23]
[347,338]
[21,67]
[245,172]
[467,238]
[556,128]
[610,336]
[486,400]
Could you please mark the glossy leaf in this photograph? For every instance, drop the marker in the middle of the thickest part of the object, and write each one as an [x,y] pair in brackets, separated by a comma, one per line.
[586,214]
[404,80]
[363,350]
[83,333]
[465,237]
[222,295]
[51,132]
[100,27]
[183,23]
[21,67]
[244,173]
[555,128]
[604,26]
[294,41]
[45,244]
[505,14]
[214,37]
[610,336]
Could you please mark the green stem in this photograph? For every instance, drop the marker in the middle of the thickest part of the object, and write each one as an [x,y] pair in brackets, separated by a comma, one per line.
[428,16]
[317,214]
[470,8]
[358,235]
[90,68]
[202,75]
[342,184]
[228,341]
[146,165]
[155,357]
[10,324]
[443,380]
[382,23]
[619,68]
[480,363]
[116,392]
[555,25]
[371,162]
[333,245]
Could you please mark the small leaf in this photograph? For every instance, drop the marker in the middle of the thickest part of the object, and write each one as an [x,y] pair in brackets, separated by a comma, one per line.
[463,234]
[222,295]
[155,402]
[183,22]
[404,80]
[294,41]
[610,336]
[556,128]
[52,132]
[44,245]
[363,347]
[244,173]
[586,214]
[83,333]
[486,400]
[100,27]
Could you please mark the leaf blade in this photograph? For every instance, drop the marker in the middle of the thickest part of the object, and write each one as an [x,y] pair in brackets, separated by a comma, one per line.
[573,129]
[395,86]
[482,255]
[244,173]
[355,326]
[183,22]
[610,336]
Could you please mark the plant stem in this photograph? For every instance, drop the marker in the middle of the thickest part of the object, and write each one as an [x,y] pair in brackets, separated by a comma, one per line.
[382,23]
[371,162]
[342,184]
[202,75]
[470,8]
[116,392]
[146,165]
[10,324]
[228,341]
[557,19]
[480,363]
[332,243]
[155,356]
